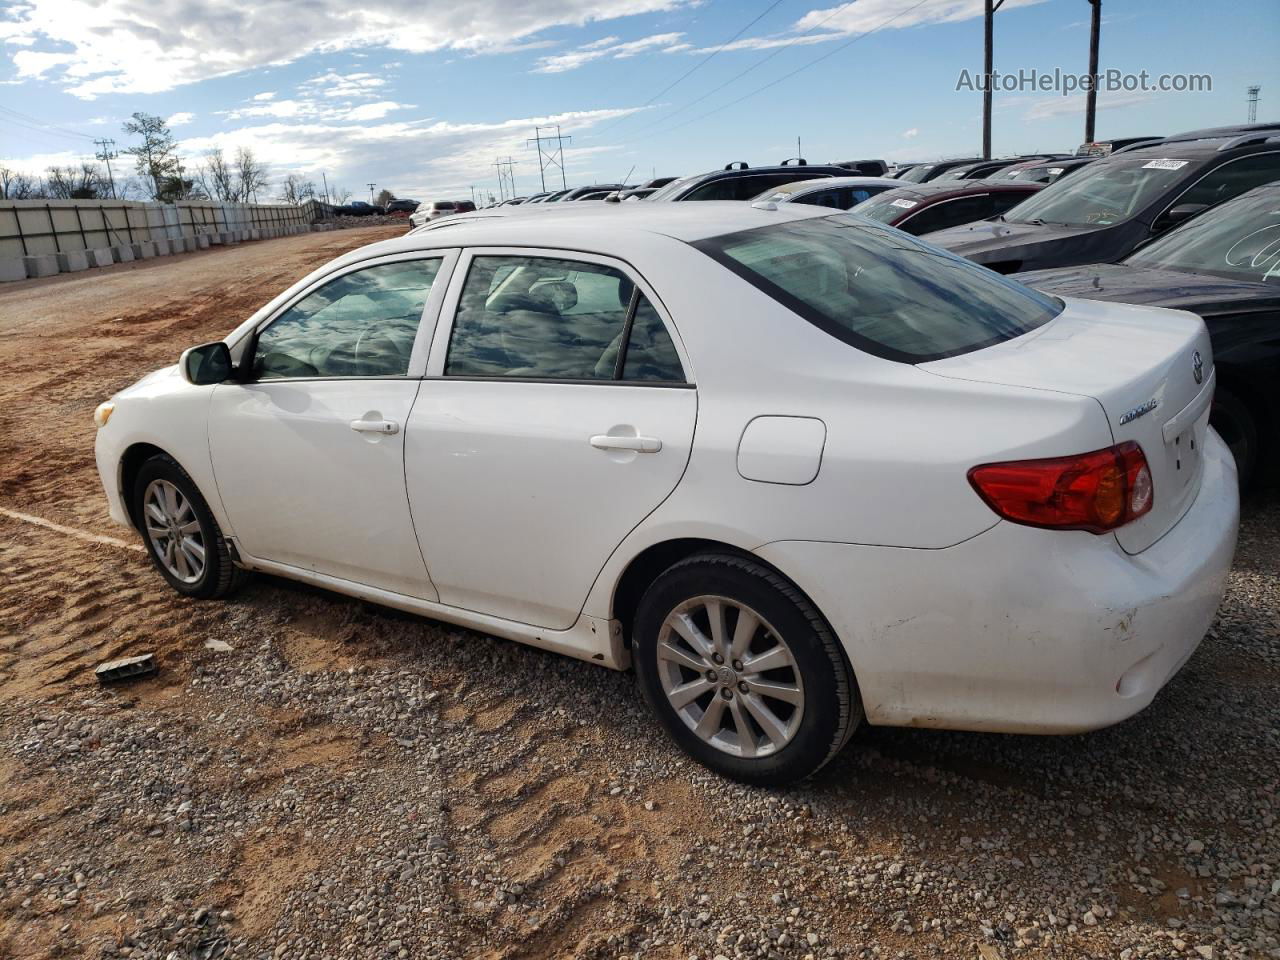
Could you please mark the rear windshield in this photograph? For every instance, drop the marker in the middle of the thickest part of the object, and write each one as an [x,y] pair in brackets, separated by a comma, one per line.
[881,290]
[1108,192]
[444,205]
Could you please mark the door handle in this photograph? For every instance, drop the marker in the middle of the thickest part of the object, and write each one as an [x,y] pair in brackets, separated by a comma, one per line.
[638,444]
[375,426]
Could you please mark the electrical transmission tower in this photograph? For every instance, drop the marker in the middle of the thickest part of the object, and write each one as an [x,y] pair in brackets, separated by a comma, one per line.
[1253,103]
[506,176]
[550,154]
[107,153]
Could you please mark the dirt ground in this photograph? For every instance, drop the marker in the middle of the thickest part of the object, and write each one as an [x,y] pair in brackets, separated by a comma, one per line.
[312,776]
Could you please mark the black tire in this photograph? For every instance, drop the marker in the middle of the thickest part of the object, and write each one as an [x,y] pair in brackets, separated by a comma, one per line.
[1239,431]
[832,705]
[220,575]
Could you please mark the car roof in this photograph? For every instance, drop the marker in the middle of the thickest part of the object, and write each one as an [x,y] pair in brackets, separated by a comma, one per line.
[606,228]
[939,189]
[831,183]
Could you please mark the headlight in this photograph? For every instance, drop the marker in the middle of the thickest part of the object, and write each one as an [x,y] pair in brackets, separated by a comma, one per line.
[103,413]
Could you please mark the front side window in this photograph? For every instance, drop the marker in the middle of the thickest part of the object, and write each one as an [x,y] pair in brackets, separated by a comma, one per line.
[361,324]
[546,318]
[881,290]
[1240,239]
[1108,192]
[1234,178]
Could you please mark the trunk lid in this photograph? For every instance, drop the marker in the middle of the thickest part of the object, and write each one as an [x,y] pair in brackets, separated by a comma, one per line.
[1151,371]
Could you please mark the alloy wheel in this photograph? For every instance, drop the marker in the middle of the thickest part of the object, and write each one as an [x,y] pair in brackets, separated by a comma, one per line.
[174,531]
[730,677]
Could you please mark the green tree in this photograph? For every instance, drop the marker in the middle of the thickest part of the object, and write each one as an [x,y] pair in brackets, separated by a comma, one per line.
[156,156]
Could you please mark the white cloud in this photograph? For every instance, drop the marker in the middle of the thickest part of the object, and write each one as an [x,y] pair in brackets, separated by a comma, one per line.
[334,84]
[1064,106]
[909,134]
[139,46]
[265,95]
[837,22]
[179,119]
[374,111]
[606,47]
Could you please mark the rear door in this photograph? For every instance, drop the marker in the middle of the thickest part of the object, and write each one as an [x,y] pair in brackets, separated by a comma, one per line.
[557,413]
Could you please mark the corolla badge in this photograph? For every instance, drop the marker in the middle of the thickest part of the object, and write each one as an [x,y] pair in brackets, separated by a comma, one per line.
[1141,410]
[1197,367]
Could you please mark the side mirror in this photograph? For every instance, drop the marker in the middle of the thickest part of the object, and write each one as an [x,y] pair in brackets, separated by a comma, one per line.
[1179,214]
[206,364]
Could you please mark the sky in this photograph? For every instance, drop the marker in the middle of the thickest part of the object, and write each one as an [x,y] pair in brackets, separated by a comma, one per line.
[421,97]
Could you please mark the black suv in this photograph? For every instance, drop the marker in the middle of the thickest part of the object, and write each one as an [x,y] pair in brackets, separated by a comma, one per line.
[1119,202]
[737,181]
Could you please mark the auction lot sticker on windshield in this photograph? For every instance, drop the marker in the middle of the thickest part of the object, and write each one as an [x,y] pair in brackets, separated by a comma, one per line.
[905,204]
[1165,164]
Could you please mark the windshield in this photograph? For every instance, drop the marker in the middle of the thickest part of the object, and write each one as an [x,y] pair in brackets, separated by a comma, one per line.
[887,207]
[1108,192]
[1240,239]
[917,173]
[671,189]
[881,290]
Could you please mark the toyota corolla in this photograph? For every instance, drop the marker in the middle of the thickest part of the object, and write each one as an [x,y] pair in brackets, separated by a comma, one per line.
[801,470]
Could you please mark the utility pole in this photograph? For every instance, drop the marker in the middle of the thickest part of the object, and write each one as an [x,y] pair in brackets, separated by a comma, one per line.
[549,156]
[325,181]
[107,153]
[1091,97]
[987,54]
[1253,102]
[473,194]
[371,186]
[506,176]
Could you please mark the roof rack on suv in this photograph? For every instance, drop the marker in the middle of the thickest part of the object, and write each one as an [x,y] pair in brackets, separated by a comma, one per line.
[1248,139]
[736,165]
[794,161]
[1213,133]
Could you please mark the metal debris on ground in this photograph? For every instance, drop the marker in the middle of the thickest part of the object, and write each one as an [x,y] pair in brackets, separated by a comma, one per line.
[113,671]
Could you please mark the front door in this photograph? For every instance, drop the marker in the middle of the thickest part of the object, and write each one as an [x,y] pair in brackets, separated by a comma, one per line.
[556,415]
[308,451]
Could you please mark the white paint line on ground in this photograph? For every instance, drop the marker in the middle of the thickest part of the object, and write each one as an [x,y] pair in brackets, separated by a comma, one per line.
[84,535]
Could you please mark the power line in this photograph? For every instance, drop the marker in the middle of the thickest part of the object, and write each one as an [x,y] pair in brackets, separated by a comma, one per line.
[759,63]
[684,76]
[802,67]
[41,125]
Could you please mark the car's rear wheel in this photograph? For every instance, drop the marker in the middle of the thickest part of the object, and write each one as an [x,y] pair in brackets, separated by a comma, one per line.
[182,537]
[742,671]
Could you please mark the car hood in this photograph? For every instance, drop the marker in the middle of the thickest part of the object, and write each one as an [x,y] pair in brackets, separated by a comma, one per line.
[1177,289]
[987,237]
[151,379]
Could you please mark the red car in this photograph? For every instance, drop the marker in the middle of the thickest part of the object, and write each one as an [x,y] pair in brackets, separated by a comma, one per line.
[924,207]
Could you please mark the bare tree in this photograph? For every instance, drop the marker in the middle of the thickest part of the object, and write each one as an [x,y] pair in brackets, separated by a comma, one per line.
[218,177]
[340,195]
[75,183]
[16,186]
[384,197]
[293,189]
[251,174]
[156,155]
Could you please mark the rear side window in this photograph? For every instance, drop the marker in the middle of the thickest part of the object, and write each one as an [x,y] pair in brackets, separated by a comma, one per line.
[880,290]
[544,318]
[1234,178]
[948,213]
[744,188]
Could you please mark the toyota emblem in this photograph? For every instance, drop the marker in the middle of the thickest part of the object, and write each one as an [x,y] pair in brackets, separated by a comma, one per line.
[1197,367]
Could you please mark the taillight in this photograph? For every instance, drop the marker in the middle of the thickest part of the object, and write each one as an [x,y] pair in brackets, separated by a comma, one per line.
[1096,491]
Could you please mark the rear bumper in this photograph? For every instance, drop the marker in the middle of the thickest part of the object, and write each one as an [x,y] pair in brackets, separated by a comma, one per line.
[1023,630]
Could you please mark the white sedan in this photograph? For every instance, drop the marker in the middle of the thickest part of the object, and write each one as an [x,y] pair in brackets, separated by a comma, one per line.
[800,469]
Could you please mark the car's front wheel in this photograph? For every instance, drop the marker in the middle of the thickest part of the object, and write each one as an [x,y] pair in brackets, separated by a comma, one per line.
[182,537]
[742,671]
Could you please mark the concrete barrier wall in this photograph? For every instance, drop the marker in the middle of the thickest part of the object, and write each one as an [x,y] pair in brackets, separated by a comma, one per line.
[32,228]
